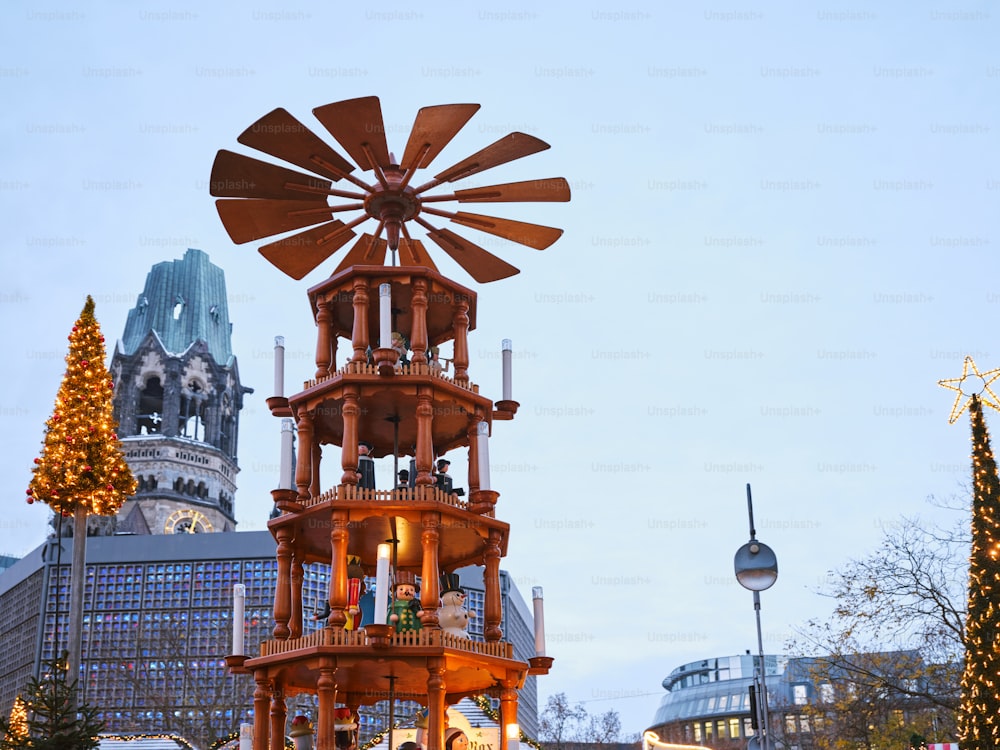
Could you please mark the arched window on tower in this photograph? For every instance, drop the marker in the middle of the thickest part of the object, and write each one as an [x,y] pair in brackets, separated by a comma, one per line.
[150,407]
[193,409]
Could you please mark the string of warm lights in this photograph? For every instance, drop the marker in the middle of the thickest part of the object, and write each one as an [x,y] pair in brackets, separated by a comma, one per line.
[18,724]
[82,464]
[181,742]
[486,707]
[979,707]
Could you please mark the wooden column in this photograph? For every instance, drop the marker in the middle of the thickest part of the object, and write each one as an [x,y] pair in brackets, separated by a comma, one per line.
[491,582]
[349,453]
[339,538]
[261,695]
[425,448]
[418,333]
[315,458]
[359,332]
[326,692]
[430,575]
[508,712]
[303,471]
[295,625]
[460,327]
[278,716]
[435,703]
[322,339]
[283,585]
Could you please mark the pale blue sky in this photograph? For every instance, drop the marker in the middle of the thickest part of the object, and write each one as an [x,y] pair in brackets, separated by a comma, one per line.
[782,235]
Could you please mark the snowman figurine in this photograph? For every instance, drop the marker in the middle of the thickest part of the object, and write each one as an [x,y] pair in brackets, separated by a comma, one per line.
[453,617]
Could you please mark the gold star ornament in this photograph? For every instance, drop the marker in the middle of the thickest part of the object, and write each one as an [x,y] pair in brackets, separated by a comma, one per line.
[971,384]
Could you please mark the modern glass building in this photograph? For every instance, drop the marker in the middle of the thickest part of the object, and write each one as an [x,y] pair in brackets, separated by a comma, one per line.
[158,624]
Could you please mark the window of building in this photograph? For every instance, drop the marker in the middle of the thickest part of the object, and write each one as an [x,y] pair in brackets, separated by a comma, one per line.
[790,725]
[747,727]
[799,695]
[734,728]
[825,690]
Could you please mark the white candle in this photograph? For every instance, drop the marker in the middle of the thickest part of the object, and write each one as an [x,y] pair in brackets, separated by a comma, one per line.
[286,472]
[239,602]
[279,365]
[506,354]
[246,736]
[385,316]
[536,597]
[483,453]
[382,584]
[513,736]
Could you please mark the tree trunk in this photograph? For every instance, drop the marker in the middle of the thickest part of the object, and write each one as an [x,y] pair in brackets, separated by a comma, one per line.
[77,575]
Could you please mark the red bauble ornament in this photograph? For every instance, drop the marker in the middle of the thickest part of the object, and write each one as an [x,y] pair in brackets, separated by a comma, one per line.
[66,514]
[87,468]
[30,501]
[38,460]
[84,363]
[28,491]
[109,487]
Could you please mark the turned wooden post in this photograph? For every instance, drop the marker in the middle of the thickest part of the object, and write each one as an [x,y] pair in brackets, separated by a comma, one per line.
[283,585]
[430,575]
[359,332]
[322,339]
[418,332]
[508,712]
[491,582]
[316,457]
[339,537]
[326,689]
[460,327]
[349,452]
[278,717]
[303,471]
[261,698]
[435,703]
[295,625]
[425,448]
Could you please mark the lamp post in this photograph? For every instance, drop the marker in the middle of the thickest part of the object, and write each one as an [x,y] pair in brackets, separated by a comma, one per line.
[757,569]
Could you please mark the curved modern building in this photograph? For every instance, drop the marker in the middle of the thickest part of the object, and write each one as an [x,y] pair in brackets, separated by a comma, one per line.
[708,701]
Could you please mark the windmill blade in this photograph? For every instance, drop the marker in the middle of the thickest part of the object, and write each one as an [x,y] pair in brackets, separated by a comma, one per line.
[248,220]
[301,253]
[279,134]
[367,251]
[512,146]
[554,190]
[480,264]
[532,235]
[433,130]
[357,124]
[238,176]
[413,253]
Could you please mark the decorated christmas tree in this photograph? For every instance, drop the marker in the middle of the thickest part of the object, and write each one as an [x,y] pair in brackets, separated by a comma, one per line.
[50,719]
[980,705]
[82,467]
[81,470]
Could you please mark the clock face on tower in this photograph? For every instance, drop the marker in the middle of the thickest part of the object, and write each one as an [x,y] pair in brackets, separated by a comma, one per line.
[187,522]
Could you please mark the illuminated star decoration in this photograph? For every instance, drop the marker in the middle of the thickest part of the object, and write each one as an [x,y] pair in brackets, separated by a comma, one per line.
[971,386]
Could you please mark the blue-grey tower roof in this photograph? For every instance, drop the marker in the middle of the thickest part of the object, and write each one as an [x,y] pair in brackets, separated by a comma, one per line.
[183,301]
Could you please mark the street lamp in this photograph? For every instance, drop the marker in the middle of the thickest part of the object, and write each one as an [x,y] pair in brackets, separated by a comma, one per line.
[757,569]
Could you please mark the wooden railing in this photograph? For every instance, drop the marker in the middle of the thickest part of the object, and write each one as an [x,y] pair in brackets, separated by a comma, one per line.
[363,368]
[414,638]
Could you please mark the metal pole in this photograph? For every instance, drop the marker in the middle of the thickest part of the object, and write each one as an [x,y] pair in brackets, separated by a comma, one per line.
[762,712]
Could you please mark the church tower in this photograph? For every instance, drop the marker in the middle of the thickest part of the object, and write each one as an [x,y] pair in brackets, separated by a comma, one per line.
[177,401]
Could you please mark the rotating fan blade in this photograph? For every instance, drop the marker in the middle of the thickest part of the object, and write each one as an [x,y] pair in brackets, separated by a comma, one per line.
[480,264]
[301,253]
[238,176]
[252,219]
[532,235]
[555,189]
[279,134]
[357,123]
[433,130]
[413,253]
[367,251]
[512,146]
